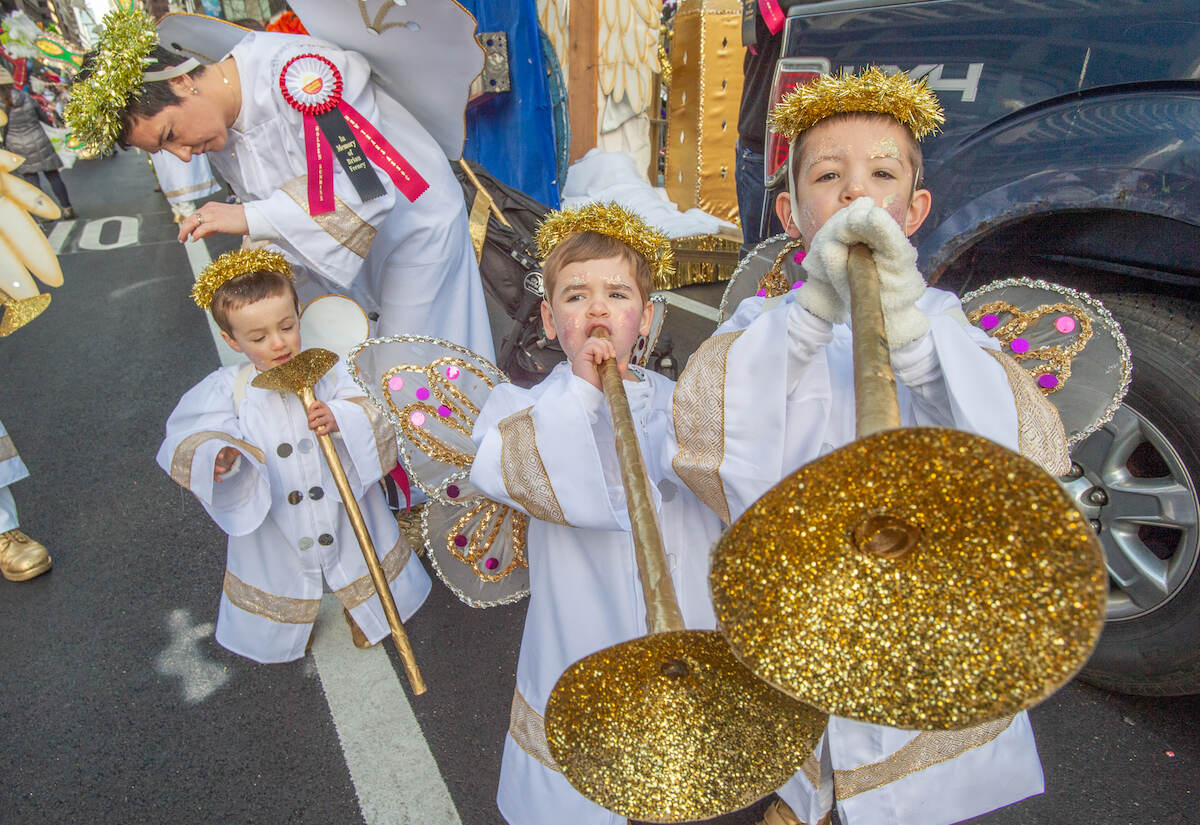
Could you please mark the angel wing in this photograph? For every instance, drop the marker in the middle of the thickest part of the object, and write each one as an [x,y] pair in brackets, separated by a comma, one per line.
[628,51]
[24,251]
[432,391]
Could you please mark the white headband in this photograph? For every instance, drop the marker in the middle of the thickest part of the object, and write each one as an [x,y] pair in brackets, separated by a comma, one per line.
[172,71]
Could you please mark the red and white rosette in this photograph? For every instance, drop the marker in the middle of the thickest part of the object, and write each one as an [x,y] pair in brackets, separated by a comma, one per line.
[312,85]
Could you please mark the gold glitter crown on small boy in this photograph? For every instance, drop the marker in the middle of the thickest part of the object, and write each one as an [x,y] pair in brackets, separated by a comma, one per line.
[95,103]
[232,264]
[897,96]
[612,220]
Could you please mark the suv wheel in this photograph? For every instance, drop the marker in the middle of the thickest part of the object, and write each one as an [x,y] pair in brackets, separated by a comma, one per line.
[1136,479]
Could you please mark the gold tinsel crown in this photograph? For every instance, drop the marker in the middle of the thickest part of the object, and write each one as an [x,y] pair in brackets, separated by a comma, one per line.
[612,220]
[232,264]
[93,110]
[897,96]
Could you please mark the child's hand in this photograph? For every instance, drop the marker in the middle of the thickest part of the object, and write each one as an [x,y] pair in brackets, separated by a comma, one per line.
[321,420]
[591,355]
[225,459]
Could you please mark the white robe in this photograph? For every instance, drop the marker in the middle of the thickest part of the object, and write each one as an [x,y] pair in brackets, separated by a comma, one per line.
[411,262]
[280,506]
[783,380]
[12,469]
[183,182]
[556,443]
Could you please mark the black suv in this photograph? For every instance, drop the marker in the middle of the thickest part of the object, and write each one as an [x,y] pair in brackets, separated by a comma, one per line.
[1071,152]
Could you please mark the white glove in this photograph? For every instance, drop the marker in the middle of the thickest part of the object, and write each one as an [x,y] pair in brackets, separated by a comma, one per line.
[900,284]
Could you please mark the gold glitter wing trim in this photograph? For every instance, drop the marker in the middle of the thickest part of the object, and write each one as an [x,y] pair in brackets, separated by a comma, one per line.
[927,749]
[615,221]
[343,224]
[525,476]
[362,588]
[528,729]
[181,460]
[1040,434]
[282,609]
[232,264]
[897,96]
[699,411]
[94,108]
[1057,359]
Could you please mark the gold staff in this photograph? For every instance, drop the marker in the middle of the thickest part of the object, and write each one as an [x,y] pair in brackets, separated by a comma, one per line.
[299,376]
[921,578]
[669,727]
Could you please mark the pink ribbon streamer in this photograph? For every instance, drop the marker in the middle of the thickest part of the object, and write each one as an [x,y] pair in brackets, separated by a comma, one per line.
[772,14]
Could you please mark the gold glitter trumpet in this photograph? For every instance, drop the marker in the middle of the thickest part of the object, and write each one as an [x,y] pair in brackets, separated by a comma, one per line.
[670,727]
[921,578]
[19,312]
[299,376]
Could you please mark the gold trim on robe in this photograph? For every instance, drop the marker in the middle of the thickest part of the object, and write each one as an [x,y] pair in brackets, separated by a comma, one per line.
[699,411]
[524,474]
[283,609]
[928,748]
[181,460]
[175,193]
[1040,434]
[528,729]
[385,434]
[7,448]
[342,224]
[362,588]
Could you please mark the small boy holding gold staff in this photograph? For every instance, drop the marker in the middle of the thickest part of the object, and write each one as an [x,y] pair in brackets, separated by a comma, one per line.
[250,456]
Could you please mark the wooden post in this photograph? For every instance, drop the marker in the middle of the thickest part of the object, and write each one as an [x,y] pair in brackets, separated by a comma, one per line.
[582,55]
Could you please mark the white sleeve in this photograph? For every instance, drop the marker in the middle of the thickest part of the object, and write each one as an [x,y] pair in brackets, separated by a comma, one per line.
[202,424]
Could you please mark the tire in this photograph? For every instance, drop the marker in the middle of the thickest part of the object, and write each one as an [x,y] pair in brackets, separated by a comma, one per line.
[1146,462]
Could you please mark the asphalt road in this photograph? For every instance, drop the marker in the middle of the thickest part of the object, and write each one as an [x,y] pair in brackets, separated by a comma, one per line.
[116,705]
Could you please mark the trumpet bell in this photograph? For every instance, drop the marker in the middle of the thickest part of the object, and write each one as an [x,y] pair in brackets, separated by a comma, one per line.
[671,728]
[919,578]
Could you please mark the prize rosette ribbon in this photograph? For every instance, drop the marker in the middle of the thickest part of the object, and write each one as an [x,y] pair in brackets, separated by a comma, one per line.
[312,85]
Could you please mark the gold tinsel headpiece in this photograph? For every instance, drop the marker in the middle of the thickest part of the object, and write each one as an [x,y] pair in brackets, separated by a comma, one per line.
[897,96]
[232,264]
[616,222]
[94,108]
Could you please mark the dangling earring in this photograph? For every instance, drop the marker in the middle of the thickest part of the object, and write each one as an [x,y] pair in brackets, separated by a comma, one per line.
[194,90]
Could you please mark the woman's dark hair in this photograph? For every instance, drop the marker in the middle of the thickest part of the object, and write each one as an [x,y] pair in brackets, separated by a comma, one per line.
[152,97]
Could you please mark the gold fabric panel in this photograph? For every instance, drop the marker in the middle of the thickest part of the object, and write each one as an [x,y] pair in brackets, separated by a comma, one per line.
[7,448]
[477,221]
[927,749]
[525,476]
[1040,433]
[699,410]
[812,770]
[283,609]
[385,433]
[181,461]
[702,106]
[362,588]
[342,224]
[528,730]
[174,193]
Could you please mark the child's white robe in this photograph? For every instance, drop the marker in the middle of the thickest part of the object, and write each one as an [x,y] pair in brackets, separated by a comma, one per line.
[412,262]
[782,381]
[280,506]
[549,451]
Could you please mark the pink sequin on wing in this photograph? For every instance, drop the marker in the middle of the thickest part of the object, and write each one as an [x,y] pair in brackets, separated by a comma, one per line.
[1065,324]
[452,373]
[395,383]
[417,418]
[1019,345]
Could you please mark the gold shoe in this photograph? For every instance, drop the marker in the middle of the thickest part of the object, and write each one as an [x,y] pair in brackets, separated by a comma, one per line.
[21,557]
[360,639]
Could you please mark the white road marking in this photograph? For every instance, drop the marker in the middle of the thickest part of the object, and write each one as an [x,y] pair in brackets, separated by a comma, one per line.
[183,658]
[125,290]
[692,305]
[198,257]
[58,235]
[394,773]
[127,233]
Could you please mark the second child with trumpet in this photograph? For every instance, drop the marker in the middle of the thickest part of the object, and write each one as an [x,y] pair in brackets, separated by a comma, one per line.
[550,452]
[777,379]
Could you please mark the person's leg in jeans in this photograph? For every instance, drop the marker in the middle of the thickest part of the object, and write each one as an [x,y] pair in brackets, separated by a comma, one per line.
[751,195]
